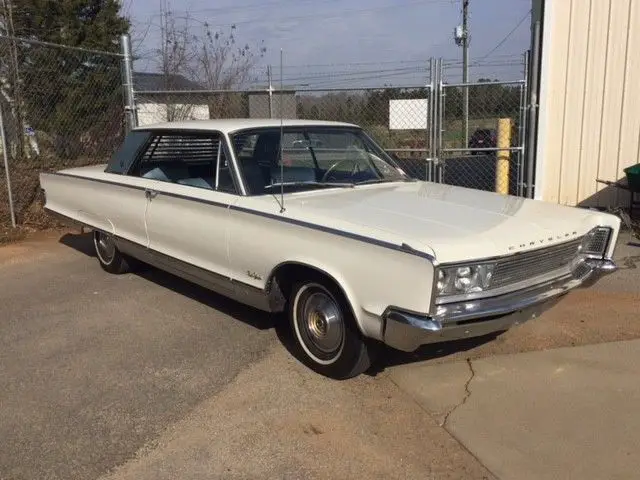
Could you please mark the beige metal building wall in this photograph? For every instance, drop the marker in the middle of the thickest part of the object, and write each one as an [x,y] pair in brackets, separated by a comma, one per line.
[589,117]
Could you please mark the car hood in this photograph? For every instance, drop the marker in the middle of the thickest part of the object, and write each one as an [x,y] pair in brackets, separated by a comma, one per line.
[452,223]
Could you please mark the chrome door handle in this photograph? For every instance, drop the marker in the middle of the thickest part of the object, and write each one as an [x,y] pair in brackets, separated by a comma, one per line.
[150,193]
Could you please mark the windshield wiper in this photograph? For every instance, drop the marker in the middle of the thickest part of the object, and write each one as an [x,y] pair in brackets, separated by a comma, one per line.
[308,184]
[384,180]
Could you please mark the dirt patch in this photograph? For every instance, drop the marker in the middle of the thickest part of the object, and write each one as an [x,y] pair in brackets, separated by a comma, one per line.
[24,244]
[28,200]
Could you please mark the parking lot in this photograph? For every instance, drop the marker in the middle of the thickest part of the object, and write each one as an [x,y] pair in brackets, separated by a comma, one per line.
[147,376]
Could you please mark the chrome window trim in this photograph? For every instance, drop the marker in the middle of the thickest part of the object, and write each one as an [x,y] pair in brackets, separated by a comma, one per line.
[387,158]
[234,162]
[154,132]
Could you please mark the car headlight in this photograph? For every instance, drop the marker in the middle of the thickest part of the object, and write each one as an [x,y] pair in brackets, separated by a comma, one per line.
[460,279]
[595,242]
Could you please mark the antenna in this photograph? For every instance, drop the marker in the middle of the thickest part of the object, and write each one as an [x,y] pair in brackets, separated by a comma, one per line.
[282,209]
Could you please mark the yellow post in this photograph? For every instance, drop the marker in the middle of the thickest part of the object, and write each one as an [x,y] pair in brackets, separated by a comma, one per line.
[503,155]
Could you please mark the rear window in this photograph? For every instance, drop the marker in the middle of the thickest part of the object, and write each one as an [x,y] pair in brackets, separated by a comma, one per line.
[128,151]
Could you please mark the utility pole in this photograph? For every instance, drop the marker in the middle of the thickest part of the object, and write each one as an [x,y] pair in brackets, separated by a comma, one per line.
[465,70]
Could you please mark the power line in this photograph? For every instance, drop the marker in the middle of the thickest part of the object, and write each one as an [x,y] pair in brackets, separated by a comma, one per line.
[342,81]
[331,76]
[319,16]
[280,2]
[501,42]
[248,6]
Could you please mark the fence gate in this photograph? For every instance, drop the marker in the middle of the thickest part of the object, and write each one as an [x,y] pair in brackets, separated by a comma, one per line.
[482,146]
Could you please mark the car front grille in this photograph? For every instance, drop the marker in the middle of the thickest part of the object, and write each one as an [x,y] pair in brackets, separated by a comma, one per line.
[528,265]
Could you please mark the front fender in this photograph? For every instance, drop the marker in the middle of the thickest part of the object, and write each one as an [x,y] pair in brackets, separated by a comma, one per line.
[375,285]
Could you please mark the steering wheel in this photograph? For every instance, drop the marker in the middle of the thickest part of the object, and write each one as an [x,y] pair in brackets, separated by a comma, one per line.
[354,170]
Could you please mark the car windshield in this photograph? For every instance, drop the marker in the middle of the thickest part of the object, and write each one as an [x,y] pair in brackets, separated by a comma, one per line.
[312,158]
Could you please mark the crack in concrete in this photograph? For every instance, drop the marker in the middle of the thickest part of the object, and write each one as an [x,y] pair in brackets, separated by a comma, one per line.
[631,262]
[467,394]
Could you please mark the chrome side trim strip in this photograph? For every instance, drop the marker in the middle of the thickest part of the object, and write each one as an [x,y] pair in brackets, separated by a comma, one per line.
[137,187]
[353,236]
[228,287]
[213,281]
[404,248]
[98,180]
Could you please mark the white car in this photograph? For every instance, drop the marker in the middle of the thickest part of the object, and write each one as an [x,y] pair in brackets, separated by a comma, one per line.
[330,231]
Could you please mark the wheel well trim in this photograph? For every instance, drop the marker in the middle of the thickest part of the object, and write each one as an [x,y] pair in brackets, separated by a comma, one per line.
[337,280]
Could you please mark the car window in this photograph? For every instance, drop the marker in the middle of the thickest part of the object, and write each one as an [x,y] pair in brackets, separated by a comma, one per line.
[193,159]
[123,158]
[310,157]
[224,179]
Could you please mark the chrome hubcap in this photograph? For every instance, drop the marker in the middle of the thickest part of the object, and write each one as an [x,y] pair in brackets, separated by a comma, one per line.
[323,321]
[105,247]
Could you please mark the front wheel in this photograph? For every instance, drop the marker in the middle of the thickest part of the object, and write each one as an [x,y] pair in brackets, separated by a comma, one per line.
[326,336]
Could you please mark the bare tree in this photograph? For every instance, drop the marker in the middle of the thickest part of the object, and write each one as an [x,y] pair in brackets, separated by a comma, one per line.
[223,64]
[177,54]
[211,57]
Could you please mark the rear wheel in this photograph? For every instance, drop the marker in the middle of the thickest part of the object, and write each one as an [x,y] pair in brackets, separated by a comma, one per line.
[109,257]
[326,336]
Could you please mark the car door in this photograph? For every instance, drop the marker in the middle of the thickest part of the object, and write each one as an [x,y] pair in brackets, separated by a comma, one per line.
[188,197]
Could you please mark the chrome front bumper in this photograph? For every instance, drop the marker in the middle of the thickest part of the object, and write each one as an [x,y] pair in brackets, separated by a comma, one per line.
[407,331]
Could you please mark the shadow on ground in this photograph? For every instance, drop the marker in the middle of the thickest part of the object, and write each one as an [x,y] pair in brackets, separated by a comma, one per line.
[84,243]
[388,357]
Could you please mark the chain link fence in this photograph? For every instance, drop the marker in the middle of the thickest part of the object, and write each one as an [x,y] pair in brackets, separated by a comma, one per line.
[396,117]
[485,148]
[64,107]
[61,107]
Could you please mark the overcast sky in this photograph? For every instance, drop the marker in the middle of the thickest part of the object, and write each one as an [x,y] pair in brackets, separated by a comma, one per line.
[384,35]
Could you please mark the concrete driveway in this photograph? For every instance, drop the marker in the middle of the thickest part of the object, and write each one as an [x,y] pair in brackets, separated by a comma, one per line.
[147,376]
[568,413]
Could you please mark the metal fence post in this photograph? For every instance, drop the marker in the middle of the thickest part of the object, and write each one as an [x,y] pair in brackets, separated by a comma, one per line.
[522,128]
[533,108]
[6,170]
[440,107]
[129,95]
[430,124]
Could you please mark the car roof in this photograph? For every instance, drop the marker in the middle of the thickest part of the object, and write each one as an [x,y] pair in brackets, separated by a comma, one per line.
[235,124]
